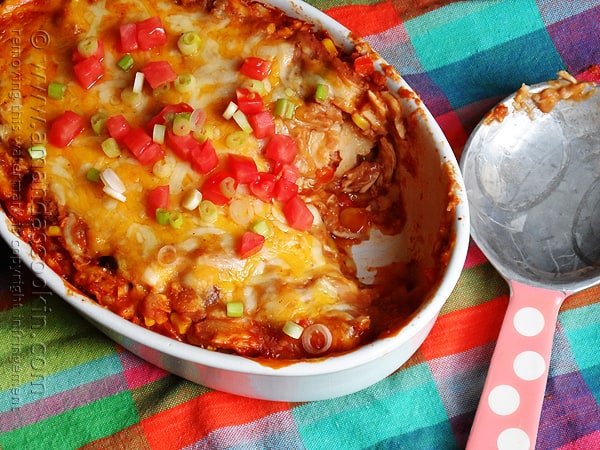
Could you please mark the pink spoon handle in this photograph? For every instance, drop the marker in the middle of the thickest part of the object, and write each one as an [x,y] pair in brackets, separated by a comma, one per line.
[509,410]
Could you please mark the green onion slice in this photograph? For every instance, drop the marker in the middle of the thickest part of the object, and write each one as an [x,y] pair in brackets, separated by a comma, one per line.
[261,227]
[93,175]
[56,90]
[284,108]
[292,329]
[126,62]
[110,147]
[235,309]
[208,211]
[182,124]
[321,92]
[227,187]
[186,82]
[236,139]
[189,43]
[37,151]
[176,219]
[88,46]
[98,122]
[163,216]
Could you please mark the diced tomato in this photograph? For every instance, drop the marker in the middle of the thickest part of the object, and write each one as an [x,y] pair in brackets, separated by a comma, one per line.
[136,140]
[99,54]
[297,214]
[128,33]
[250,244]
[167,114]
[181,145]
[118,127]
[262,124]
[256,68]
[281,149]
[264,186]
[285,190]
[363,65]
[150,154]
[66,128]
[157,198]
[158,73]
[211,189]
[203,157]
[287,171]
[249,102]
[151,33]
[243,167]
[88,72]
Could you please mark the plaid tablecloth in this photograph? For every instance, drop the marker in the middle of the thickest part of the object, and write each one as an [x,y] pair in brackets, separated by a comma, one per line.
[64,385]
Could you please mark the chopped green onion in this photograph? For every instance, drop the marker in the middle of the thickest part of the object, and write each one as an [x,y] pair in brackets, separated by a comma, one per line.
[261,227]
[227,187]
[255,86]
[56,90]
[126,62]
[110,147]
[88,46]
[176,219]
[242,121]
[158,133]
[93,175]
[98,122]
[236,139]
[132,98]
[37,151]
[182,124]
[321,93]
[185,82]
[208,211]
[138,82]
[230,110]
[191,200]
[114,194]
[110,179]
[162,89]
[284,108]
[360,121]
[235,309]
[292,329]
[189,43]
[163,216]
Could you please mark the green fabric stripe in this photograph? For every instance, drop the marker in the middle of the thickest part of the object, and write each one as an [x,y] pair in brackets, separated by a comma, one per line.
[472,33]
[44,337]
[163,394]
[363,419]
[75,427]
[470,291]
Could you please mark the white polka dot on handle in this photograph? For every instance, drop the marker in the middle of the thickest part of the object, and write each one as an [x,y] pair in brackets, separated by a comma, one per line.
[513,439]
[504,400]
[529,365]
[529,321]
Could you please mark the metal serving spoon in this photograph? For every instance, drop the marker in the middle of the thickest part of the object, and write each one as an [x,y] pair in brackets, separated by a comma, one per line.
[533,183]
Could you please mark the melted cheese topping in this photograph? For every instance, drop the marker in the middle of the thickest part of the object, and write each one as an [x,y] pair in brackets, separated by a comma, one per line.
[297,275]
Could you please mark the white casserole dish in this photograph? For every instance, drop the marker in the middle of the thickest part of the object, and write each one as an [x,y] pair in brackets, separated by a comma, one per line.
[436,187]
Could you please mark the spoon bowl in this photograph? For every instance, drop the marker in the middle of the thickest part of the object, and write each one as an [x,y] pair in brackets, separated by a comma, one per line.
[533,184]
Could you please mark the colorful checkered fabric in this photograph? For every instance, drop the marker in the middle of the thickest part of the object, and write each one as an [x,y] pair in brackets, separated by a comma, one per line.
[64,385]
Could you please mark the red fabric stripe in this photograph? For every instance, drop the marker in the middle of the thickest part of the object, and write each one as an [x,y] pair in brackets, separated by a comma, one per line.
[365,20]
[465,329]
[191,421]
